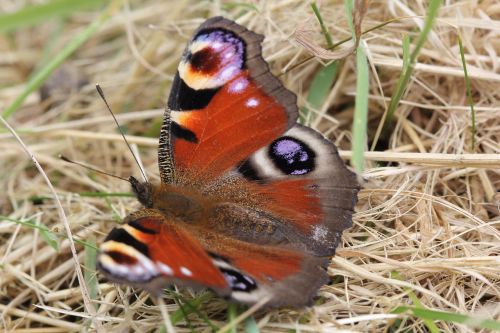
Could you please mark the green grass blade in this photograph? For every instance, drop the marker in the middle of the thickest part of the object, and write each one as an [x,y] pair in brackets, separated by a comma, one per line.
[402,81]
[451,317]
[50,238]
[348,7]
[89,273]
[184,313]
[429,323]
[232,314]
[406,63]
[41,75]
[323,79]
[406,72]
[321,84]
[406,52]
[469,95]
[47,235]
[429,22]
[32,224]
[33,14]
[326,33]
[360,119]
[320,88]
[359,125]
[251,325]
[191,306]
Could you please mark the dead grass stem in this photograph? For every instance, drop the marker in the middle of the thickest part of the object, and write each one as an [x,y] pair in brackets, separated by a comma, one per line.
[429,211]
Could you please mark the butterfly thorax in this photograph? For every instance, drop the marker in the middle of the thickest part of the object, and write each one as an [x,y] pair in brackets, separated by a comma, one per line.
[184,204]
[172,201]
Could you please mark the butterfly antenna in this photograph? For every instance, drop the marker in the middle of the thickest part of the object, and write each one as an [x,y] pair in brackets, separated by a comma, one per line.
[101,93]
[64,158]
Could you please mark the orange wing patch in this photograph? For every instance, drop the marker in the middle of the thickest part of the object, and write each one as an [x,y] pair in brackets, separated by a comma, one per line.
[153,246]
[239,119]
[294,200]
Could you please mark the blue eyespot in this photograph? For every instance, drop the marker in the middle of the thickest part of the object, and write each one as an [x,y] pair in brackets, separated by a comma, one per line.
[292,156]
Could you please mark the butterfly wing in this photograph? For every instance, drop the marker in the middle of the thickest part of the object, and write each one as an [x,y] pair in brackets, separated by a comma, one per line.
[224,103]
[150,251]
[224,106]
[278,194]
[306,186]
[283,276]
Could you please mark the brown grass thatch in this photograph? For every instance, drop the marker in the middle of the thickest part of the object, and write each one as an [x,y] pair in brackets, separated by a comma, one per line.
[427,224]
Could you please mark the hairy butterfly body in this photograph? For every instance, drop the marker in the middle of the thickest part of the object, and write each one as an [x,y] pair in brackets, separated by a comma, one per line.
[251,204]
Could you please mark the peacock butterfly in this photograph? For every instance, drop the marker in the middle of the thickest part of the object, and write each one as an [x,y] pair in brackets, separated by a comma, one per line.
[250,204]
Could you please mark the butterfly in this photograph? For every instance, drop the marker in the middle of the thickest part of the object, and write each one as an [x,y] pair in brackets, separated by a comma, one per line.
[251,204]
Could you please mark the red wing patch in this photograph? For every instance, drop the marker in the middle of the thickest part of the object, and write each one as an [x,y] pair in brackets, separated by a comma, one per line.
[238,120]
[258,272]
[224,103]
[151,247]
[264,263]
[295,200]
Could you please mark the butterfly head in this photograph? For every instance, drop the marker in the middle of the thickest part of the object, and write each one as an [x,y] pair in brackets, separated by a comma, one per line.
[143,191]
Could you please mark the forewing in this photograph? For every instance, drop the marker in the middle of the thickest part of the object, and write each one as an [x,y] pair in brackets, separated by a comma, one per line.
[151,251]
[224,103]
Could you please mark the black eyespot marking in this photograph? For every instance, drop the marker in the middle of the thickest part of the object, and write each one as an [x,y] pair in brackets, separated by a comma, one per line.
[183,133]
[232,44]
[140,227]
[205,61]
[248,171]
[120,235]
[238,281]
[218,257]
[182,97]
[122,258]
[292,156]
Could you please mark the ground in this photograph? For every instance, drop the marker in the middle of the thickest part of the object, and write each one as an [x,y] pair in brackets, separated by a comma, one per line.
[426,230]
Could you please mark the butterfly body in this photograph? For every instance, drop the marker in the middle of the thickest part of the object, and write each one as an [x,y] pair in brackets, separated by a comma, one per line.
[225,207]
[250,204]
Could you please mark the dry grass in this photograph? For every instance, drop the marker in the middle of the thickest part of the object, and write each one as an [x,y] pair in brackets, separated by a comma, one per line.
[427,225]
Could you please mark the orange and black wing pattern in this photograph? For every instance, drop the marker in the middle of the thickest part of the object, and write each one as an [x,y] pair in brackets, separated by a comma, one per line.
[150,250]
[224,104]
[304,184]
[251,204]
